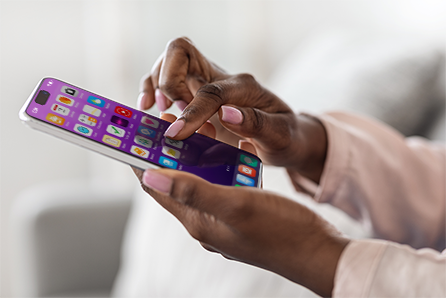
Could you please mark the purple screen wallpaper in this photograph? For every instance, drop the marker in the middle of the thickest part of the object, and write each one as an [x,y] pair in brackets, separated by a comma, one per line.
[140,134]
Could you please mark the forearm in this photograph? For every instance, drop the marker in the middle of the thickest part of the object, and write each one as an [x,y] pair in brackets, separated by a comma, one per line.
[311,147]
[376,175]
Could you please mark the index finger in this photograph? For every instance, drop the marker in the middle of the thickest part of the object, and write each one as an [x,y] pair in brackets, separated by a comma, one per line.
[185,70]
[207,101]
[174,70]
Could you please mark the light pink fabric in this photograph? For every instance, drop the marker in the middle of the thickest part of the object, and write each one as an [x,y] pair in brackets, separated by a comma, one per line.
[396,186]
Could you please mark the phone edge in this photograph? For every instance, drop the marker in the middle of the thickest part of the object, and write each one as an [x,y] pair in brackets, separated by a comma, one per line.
[89,144]
[42,126]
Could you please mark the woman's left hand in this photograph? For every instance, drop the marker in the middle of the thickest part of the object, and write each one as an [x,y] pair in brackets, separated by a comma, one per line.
[251,226]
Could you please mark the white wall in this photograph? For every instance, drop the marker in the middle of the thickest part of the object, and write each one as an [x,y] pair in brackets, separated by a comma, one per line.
[36,41]
[106,46]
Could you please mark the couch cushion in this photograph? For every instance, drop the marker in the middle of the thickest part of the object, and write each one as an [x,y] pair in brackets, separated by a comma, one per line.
[396,79]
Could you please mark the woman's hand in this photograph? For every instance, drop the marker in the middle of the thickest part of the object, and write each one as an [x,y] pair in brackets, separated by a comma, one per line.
[251,226]
[245,109]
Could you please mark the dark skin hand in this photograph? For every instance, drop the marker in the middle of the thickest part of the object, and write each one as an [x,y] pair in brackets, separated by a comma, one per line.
[242,223]
[250,225]
[238,106]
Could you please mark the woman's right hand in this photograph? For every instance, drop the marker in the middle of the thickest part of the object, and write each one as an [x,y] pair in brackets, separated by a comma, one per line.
[244,108]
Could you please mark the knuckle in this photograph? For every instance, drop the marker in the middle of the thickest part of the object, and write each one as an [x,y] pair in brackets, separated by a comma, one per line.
[182,43]
[212,91]
[184,192]
[258,120]
[246,78]
[168,87]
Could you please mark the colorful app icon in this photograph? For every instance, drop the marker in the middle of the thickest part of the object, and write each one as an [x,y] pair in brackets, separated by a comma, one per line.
[116,131]
[143,141]
[247,170]
[65,100]
[150,122]
[167,162]
[60,109]
[171,152]
[69,91]
[83,130]
[174,143]
[139,151]
[55,119]
[123,112]
[91,110]
[119,121]
[87,120]
[146,131]
[96,101]
[111,141]
[248,160]
[245,180]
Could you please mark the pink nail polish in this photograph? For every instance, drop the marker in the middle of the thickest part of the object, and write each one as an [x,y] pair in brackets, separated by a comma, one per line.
[142,101]
[157,181]
[161,100]
[174,128]
[181,104]
[231,115]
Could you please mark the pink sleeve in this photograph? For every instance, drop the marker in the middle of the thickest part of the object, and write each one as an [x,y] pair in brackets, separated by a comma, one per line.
[393,184]
[377,268]
[397,187]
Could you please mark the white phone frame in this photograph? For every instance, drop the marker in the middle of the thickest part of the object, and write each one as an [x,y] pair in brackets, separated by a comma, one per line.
[100,148]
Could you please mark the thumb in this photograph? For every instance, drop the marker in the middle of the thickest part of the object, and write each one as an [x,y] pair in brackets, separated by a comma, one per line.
[192,191]
[203,208]
[270,131]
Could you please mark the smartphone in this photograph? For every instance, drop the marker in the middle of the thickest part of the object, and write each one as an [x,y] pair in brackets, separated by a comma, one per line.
[132,136]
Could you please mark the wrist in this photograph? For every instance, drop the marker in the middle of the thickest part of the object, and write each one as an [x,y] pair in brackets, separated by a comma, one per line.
[311,144]
[322,265]
[314,261]
[319,256]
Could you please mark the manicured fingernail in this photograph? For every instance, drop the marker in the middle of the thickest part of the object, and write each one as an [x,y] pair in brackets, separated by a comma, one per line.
[181,104]
[142,101]
[174,128]
[231,115]
[157,181]
[161,100]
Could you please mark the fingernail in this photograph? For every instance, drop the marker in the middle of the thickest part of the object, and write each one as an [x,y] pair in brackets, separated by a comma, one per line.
[157,181]
[181,104]
[161,100]
[174,128]
[142,101]
[231,115]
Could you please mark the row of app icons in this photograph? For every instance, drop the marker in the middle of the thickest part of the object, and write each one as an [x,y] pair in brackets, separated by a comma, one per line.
[244,170]
[142,132]
[247,169]
[166,150]
[89,121]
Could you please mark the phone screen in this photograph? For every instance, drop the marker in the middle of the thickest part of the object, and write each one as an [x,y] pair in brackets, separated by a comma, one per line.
[141,135]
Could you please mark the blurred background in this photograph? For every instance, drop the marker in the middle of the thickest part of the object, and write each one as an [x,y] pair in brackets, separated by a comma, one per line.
[64,210]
